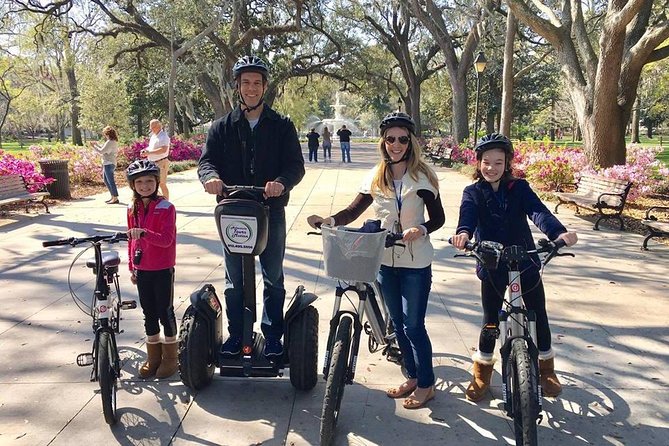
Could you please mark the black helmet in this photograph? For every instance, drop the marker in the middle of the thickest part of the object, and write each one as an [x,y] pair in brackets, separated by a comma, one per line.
[250,64]
[494,141]
[398,119]
[139,168]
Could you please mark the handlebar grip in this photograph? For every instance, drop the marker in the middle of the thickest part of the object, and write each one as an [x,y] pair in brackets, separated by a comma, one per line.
[61,242]
[559,243]
[469,246]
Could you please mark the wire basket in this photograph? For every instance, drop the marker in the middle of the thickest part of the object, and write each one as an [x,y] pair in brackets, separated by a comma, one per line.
[352,256]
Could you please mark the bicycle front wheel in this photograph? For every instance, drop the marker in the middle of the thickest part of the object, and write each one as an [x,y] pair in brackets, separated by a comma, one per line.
[334,387]
[525,395]
[107,375]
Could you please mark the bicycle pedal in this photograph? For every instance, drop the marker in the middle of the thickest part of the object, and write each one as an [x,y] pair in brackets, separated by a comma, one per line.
[129,304]
[85,359]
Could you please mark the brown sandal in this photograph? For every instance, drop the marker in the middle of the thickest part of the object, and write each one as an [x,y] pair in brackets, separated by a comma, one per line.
[406,388]
[416,402]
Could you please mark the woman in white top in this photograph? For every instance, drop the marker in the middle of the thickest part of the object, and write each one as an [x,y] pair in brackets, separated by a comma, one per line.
[108,150]
[400,188]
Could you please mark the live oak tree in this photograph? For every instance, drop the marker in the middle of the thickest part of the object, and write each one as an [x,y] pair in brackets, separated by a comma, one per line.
[601,66]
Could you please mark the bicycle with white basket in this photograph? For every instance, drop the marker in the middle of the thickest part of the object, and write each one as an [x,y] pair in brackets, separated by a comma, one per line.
[354,258]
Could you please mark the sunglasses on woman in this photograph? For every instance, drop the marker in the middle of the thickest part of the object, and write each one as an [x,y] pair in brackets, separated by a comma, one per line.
[402,139]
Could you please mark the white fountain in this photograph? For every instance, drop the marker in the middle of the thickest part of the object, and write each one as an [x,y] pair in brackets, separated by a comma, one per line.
[334,124]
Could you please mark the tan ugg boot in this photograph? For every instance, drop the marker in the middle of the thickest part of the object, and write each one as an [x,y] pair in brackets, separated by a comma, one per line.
[549,381]
[168,365]
[481,380]
[153,355]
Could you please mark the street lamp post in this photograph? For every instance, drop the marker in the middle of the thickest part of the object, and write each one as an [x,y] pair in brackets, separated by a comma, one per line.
[479,65]
[399,103]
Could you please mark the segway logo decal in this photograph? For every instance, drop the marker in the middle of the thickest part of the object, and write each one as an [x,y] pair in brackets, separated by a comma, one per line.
[239,233]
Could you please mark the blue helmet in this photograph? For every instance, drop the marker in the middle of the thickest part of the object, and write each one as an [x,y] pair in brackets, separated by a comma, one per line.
[494,141]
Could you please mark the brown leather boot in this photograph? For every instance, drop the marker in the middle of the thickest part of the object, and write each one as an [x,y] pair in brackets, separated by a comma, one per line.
[549,381]
[168,365]
[153,355]
[480,381]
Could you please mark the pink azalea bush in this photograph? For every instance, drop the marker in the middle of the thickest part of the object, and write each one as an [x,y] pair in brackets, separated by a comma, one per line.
[84,166]
[11,165]
[647,174]
[180,149]
[459,154]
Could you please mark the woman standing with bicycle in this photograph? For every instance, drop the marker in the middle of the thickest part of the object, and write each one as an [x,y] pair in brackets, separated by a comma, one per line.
[496,208]
[400,187]
[152,256]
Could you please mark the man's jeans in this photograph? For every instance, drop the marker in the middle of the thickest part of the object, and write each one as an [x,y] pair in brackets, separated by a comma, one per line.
[108,178]
[345,152]
[271,261]
[406,291]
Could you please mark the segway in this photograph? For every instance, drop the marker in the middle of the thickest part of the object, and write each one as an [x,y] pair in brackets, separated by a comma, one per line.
[242,221]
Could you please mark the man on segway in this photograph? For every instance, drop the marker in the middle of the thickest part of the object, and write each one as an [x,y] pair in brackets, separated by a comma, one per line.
[255,146]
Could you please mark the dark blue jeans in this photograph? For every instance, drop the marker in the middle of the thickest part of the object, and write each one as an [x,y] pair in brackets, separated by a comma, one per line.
[345,151]
[406,291]
[108,178]
[274,294]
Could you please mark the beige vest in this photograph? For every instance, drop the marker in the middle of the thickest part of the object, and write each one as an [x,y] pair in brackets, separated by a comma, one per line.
[417,254]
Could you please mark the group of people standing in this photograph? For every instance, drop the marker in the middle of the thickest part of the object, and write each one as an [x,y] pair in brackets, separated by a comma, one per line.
[313,139]
[254,145]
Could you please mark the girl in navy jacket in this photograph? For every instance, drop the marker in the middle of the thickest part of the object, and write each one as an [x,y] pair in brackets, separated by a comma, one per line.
[496,208]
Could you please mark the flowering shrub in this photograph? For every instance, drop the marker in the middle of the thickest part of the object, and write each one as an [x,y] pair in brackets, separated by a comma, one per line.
[645,172]
[547,165]
[84,167]
[10,165]
[180,150]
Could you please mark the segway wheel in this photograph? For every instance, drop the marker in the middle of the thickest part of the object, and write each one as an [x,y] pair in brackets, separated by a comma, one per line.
[196,366]
[303,349]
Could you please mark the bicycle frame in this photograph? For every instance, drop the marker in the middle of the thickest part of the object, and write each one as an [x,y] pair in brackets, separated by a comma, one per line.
[369,306]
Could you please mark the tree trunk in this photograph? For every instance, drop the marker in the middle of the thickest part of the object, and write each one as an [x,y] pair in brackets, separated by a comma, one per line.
[635,121]
[213,94]
[170,91]
[460,119]
[506,116]
[75,109]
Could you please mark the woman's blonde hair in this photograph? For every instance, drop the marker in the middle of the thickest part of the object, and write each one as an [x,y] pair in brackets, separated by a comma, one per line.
[383,177]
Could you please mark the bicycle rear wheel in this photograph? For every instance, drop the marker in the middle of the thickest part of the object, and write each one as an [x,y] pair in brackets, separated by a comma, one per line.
[107,375]
[334,387]
[525,395]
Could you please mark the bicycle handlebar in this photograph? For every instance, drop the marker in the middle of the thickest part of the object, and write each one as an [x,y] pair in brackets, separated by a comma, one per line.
[227,188]
[545,246]
[391,238]
[74,241]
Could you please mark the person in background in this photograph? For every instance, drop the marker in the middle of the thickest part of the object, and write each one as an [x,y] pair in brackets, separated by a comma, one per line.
[158,151]
[108,150]
[327,144]
[496,208]
[152,234]
[345,143]
[312,143]
[400,188]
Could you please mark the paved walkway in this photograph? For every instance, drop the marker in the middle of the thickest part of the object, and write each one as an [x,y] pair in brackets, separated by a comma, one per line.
[609,310]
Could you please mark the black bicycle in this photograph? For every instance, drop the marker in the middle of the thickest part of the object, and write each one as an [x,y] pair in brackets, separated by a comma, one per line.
[354,258]
[105,310]
[521,387]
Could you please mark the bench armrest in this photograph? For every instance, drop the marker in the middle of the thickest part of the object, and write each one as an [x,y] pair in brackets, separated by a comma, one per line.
[560,187]
[656,208]
[622,196]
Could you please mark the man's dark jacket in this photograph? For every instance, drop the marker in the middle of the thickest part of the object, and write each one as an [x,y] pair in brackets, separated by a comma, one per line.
[272,150]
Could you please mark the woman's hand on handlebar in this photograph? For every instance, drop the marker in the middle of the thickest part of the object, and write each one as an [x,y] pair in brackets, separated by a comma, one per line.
[273,189]
[570,238]
[460,240]
[315,221]
[411,234]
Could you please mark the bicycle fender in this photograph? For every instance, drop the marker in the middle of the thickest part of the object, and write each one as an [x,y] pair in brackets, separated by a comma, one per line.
[300,301]
[206,302]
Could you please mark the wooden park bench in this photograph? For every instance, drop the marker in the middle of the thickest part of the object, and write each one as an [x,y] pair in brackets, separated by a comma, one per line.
[656,227]
[605,195]
[441,155]
[13,189]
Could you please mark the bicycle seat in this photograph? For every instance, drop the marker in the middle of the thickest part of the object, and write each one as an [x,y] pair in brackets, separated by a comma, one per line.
[109,258]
